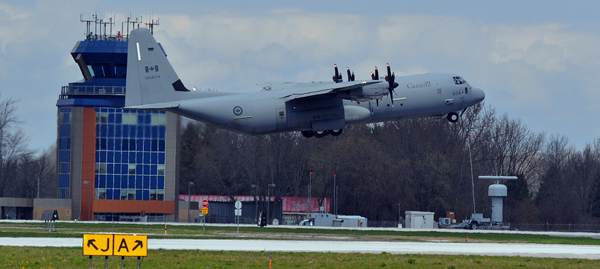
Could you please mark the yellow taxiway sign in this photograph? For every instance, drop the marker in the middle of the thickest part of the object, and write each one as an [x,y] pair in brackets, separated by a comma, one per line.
[115,245]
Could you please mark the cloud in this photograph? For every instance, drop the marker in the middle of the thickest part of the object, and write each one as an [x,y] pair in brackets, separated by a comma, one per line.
[545,73]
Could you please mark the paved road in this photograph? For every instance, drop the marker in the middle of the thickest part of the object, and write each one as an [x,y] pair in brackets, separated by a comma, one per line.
[488,249]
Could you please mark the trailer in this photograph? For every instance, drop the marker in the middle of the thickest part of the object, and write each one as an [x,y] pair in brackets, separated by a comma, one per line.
[330,220]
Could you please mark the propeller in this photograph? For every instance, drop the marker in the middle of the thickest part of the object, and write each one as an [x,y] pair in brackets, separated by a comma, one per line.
[375,76]
[337,78]
[350,76]
[390,77]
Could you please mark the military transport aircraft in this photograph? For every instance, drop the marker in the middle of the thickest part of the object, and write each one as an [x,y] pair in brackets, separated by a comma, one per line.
[314,108]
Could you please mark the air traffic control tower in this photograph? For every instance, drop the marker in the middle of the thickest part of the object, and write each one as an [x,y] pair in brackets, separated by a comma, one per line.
[114,164]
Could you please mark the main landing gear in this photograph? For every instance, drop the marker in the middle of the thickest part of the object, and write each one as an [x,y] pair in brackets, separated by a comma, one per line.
[323,133]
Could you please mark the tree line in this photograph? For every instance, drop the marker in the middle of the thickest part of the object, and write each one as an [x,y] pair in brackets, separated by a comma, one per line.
[423,164]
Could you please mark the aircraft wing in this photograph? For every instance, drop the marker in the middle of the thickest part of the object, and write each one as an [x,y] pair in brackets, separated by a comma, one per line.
[342,90]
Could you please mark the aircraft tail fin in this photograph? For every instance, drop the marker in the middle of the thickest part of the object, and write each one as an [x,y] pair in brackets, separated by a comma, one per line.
[150,77]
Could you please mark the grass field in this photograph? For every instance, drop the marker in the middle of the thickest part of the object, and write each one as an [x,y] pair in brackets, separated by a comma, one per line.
[29,257]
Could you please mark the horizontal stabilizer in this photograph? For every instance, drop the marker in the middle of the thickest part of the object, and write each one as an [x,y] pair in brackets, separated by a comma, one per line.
[155,106]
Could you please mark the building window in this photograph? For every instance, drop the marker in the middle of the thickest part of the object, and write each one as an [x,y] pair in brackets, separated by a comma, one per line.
[100,194]
[158,119]
[64,117]
[100,168]
[160,169]
[101,118]
[131,195]
[132,168]
[129,118]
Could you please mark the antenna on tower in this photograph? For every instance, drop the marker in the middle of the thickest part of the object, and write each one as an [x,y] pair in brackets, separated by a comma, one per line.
[132,22]
[103,23]
[151,24]
[88,33]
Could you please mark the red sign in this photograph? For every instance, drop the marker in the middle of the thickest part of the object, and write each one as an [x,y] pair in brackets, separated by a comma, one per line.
[204,203]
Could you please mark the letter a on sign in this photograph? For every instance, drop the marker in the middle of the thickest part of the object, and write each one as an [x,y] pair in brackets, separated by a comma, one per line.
[131,245]
[123,245]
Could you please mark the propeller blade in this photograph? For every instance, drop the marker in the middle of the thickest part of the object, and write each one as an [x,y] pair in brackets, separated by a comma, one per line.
[337,77]
[375,76]
[350,74]
[336,70]
[348,71]
[390,77]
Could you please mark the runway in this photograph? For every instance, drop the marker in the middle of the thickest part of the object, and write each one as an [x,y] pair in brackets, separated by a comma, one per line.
[444,248]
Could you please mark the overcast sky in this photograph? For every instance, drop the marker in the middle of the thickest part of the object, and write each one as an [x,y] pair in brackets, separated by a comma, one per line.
[537,61]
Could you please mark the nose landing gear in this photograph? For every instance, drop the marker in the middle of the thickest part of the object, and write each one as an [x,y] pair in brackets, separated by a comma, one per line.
[453,117]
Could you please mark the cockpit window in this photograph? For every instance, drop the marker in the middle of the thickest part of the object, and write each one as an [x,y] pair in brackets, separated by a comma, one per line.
[459,81]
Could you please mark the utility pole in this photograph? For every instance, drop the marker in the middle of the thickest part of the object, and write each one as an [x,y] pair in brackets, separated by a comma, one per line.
[190,200]
[334,196]
[269,199]
[255,187]
[309,191]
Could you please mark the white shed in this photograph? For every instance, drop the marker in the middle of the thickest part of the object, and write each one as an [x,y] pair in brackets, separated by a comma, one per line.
[419,220]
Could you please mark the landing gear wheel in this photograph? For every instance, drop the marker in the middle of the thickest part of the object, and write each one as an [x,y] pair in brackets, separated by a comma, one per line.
[336,132]
[307,134]
[453,117]
[319,134]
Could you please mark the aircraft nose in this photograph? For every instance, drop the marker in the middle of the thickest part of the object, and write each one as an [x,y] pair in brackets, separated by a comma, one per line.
[478,95]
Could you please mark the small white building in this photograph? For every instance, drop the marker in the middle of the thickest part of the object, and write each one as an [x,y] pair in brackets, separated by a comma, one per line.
[419,220]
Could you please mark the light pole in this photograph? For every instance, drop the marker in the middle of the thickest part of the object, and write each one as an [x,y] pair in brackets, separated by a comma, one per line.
[269,199]
[190,190]
[334,197]
[190,199]
[309,190]
[255,187]
[89,200]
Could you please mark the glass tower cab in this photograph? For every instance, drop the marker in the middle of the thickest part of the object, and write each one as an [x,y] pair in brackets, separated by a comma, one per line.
[114,164]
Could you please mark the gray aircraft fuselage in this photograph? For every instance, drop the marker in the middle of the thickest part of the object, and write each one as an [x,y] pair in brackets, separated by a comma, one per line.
[312,108]
[268,112]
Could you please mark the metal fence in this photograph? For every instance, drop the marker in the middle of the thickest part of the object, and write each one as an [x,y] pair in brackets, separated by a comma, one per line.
[91,90]
[555,227]
[519,226]
[382,223]
[229,219]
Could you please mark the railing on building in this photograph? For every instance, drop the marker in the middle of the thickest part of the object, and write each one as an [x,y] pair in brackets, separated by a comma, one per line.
[91,90]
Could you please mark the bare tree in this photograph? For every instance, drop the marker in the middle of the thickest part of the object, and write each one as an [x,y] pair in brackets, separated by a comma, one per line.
[13,150]
[555,197]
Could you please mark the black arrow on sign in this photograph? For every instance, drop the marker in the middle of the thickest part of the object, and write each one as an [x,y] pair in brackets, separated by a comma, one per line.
[91,242]
[139,244]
